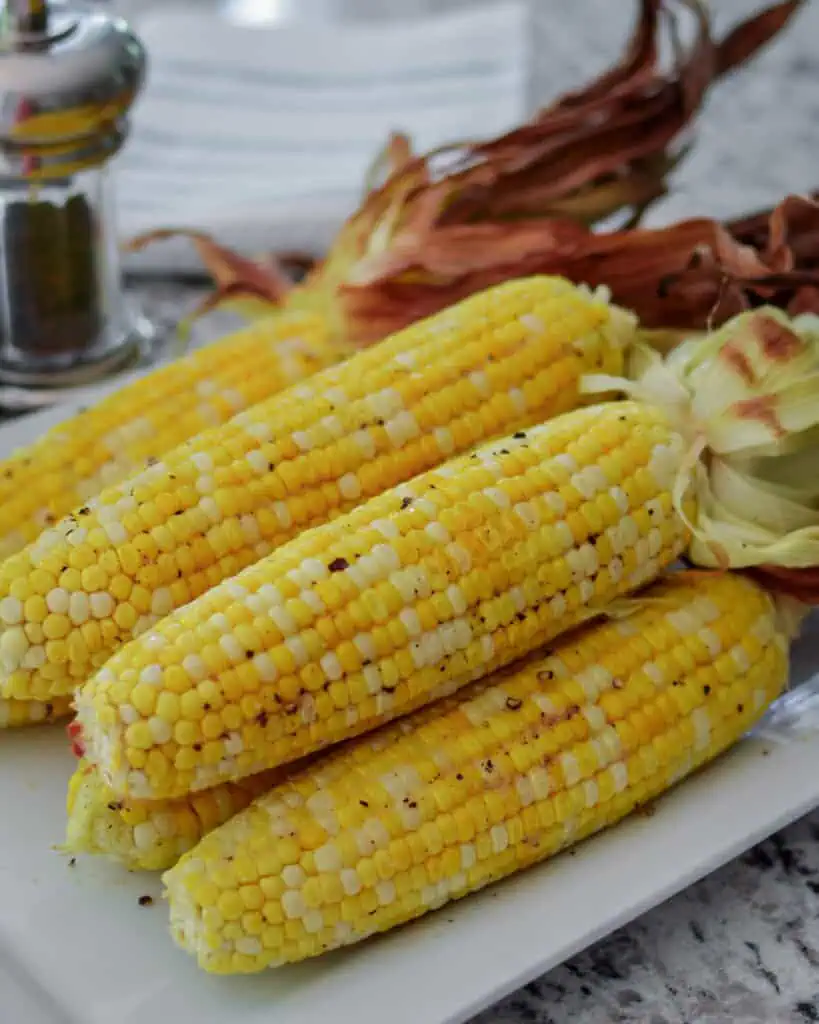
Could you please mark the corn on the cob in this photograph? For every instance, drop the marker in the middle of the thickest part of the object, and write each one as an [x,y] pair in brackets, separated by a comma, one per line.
[413,594]
[150,835]
[475,788]
[143,420]
[500,360]
[17,713]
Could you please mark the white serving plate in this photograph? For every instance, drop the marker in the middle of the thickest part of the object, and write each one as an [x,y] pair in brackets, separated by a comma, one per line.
[77,948]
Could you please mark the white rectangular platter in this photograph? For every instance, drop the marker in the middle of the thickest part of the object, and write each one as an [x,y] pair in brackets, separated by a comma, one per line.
[77,948]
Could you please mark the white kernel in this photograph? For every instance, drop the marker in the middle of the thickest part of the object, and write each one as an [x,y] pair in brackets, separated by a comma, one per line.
[333,425]
[145,835]
[456,599]
[386,402]
[327,858]
[350,882]
[586,590]
[571,768]
[500,838]
[313,601]
[210,508]
[151,675]
[480,382]
[35,657]
[297,648]
[525,791]
[257,461]
[532,323]
[78,608]
[556,502]
[365,646]
[528,514]
[11,611]
[282,513]
[410,621]
[249,945]
[620,499]
[469,856]
[386,528]
[350,486]
[302,440]
[402,428]
[385,560]
[205,484]
[219,622]
[293,876]
[372,677]
[518,399]
[438,532]
[444,440]
[283,619]
[232,648]
[128,714]
[460,556]
[337,396]
[487,647]
[331,666]
[365,442]
[313,921]
[293,904]
[595,716]
[385,891]
[115,532]
[590,480]
[619,776]
[160,729]
[57,601]
[712,642]
[161,601]
[541,783]
[497,497]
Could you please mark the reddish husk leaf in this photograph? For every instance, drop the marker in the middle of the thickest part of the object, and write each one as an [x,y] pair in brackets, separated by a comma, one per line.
[449,223]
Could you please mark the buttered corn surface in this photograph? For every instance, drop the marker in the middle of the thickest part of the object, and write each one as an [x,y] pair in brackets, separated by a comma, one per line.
[150,835]
[109,571]
[413,594]
[118,435]
[473,789]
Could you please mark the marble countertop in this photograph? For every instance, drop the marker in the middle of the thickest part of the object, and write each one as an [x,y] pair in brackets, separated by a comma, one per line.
[742,946]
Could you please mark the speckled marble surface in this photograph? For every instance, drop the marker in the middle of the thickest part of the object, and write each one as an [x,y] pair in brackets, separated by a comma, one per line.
[741,947]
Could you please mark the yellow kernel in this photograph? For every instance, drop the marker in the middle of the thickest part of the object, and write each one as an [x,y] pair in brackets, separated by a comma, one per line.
[168,706]
[139,736]
[143,697]
[56,626]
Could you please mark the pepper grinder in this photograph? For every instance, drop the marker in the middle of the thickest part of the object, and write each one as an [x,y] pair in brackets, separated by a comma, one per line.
[69,73]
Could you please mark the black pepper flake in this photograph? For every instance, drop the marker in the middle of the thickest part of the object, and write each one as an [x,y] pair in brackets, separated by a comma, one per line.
[521,617]
[115,805]
[459,777]
[406,502]
[677,682]
[363,803]
[73,862]
[84,511]
[488,766]
[146,901]
[520,435]
[338,565]
[412,803]
[197,747]
[181,512]
[740,708]
[706,690]
[617,683]
[206,707]
[514,703]
[49,710]
[248,654]
[261,718]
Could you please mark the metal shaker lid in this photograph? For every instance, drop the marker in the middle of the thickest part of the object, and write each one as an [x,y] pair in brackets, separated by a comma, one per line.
[68,76]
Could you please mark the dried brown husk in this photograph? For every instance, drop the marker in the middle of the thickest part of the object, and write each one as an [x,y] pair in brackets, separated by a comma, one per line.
[435,228]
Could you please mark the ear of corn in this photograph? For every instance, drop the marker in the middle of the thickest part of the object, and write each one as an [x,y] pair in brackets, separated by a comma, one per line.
[149,835]
[410,596]
[473,789]
[17,713]
[511,356]
[140,422]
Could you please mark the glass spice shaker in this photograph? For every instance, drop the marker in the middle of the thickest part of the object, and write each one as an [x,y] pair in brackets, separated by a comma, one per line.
[69,73]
